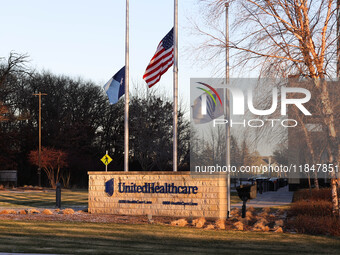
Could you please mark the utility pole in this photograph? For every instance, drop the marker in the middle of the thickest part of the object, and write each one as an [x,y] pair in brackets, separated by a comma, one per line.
[39,155]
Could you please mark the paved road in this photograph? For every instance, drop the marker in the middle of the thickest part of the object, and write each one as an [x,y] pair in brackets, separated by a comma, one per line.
[9,253]
[270,199]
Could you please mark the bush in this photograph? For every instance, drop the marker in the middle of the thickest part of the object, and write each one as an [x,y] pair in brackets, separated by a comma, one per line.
[311,213]
[314,195]
[311,208]
[317,225]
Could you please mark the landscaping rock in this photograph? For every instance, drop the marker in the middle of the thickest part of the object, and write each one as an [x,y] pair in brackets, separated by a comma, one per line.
[266,209]
[179,223]
[47,212]
[210,226]
[8,212]
[199,223]
[235,212]
[278,223]
[33,211]
[279,230]
[260,225]
[220,224]
[238,225]
[150,220]
[68,211]
[249,215]
[263,215]
[251,209]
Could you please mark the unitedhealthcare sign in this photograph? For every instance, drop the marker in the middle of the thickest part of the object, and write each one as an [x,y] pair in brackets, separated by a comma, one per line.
[161,193]
[150,187]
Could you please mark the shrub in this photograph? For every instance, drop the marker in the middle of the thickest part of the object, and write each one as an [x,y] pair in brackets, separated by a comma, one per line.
[312,213]
[311,208]
[317,225]
[313,195]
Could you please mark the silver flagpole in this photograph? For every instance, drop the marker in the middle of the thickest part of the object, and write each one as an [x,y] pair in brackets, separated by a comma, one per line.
[126,113]
[338,41]
[227,107]
[175,92]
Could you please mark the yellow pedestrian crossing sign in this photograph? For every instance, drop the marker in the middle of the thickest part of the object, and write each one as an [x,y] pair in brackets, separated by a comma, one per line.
[106,159]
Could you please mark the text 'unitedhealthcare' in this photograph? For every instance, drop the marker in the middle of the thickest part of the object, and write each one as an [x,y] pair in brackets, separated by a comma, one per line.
[154,188]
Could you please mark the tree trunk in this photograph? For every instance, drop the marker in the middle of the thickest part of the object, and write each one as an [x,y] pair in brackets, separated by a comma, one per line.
[316,181]
[309,184]
[335,201]
[333,148]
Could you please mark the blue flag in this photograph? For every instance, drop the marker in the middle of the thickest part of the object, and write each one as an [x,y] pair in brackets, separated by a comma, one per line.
[115,87]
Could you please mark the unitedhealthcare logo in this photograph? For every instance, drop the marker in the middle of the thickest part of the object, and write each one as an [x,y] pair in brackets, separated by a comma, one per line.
[109,187]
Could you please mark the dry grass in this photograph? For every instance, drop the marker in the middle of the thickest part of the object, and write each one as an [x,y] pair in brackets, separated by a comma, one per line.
[39,199]
[97,238]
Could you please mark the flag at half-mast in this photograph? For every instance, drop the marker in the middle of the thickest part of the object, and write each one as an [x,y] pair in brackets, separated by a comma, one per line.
[161,61]
[115,87]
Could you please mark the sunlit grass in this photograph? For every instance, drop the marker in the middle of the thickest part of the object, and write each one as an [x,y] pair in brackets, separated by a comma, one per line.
[234,198]
[39,199]
[99,238]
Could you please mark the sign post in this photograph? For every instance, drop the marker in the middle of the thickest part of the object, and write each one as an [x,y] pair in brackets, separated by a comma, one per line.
[106,160]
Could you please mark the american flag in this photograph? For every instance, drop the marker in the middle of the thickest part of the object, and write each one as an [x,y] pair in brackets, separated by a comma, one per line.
[161,61]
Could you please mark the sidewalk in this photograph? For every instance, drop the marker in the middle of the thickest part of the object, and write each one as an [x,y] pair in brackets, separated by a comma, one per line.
[269,199]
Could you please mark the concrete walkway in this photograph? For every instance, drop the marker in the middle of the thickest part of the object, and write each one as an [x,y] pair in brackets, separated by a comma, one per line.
[269,199]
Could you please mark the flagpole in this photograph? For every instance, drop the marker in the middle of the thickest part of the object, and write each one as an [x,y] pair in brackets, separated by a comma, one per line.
[227,109]
[338,41]
[175,92]
[126,110]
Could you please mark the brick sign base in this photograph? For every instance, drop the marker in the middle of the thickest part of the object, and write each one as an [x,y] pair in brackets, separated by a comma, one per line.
[175,194]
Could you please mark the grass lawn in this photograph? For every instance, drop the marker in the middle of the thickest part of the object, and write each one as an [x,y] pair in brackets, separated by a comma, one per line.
[39,199]
[234,198]
[99,238]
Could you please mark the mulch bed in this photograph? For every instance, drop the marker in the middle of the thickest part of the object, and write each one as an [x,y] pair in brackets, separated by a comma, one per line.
[80,216]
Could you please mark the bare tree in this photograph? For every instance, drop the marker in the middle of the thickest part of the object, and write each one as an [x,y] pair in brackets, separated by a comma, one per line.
[14,64]
[288,37]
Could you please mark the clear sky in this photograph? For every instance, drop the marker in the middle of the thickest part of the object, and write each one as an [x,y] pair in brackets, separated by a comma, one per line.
[86,38]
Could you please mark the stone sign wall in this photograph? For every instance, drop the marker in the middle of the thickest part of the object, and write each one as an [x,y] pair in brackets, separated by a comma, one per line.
[157,193]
